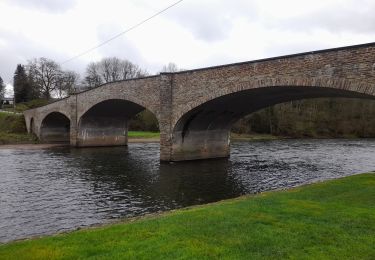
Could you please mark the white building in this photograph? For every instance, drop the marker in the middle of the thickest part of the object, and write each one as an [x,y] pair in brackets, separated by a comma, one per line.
[7,101]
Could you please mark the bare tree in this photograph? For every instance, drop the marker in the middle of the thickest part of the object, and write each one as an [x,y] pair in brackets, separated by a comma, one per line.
[170,67]
[130,70]
[92,78]
[106,70]
[44,75]
[115,69]
[110,70]
[66,83]
[48,79]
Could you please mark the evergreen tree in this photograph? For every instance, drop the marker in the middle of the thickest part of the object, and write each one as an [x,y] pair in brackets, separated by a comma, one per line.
[2,91]
[22,88]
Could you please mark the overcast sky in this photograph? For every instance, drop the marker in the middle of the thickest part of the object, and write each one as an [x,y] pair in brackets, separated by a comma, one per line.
[194,33]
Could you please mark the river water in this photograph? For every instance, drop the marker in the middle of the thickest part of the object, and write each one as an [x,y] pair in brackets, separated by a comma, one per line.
[44,191]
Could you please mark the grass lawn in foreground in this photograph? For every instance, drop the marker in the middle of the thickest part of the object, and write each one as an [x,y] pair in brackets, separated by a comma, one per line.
[333,219]
[143,134]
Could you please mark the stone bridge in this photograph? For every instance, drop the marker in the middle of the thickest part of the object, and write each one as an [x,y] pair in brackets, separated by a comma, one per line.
[196,108]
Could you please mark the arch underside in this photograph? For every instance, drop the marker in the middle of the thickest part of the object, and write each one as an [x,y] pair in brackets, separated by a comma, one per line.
[106,123]
[55,128]
[32,126]
[204,131]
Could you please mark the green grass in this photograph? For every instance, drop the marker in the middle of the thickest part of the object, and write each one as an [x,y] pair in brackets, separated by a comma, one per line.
[12,123]
[20,107]
[143,134]
[330,220]
[13,129]
[12,138]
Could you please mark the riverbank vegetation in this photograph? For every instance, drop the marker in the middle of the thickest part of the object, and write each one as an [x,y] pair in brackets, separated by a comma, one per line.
[13,129]
[332,219]
[12,123]
[143,134]
[20,107]
[313,118]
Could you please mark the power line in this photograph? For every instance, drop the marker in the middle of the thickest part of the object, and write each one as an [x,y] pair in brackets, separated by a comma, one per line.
[121,33]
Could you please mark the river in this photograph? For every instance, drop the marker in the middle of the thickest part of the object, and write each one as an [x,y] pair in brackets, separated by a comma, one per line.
[44,191]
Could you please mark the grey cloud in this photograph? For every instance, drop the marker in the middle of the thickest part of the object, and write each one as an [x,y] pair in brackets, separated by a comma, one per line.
[355,16]
[280,48]
[121,47]
[55,6]
[211,20]
[216,60]
[19,49]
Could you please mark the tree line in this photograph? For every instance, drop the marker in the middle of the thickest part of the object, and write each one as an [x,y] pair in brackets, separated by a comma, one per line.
[43,78]
[321,117]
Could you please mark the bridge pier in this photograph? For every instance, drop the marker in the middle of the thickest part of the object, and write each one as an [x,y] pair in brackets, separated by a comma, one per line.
[102,131]
[165,118]
[196,145]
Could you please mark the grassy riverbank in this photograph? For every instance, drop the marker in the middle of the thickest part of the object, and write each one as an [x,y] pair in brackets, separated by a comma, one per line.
[143,134]
[334,219]
[13,129]
[15,138]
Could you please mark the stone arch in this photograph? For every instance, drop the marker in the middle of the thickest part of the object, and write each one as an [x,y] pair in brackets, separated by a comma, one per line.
[354,86]
[32,126]
[139,91]
[55,128]
[203,131]
[106,123]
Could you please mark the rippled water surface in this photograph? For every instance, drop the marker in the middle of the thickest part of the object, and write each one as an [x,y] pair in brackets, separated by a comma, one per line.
[50,190]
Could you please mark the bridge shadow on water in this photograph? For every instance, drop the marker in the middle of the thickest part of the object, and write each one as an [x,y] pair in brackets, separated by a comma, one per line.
[135,173]
[44,191]
[138,171]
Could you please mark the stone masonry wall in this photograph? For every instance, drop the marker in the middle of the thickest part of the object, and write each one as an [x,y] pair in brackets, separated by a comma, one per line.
[65,106]
[351,68]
